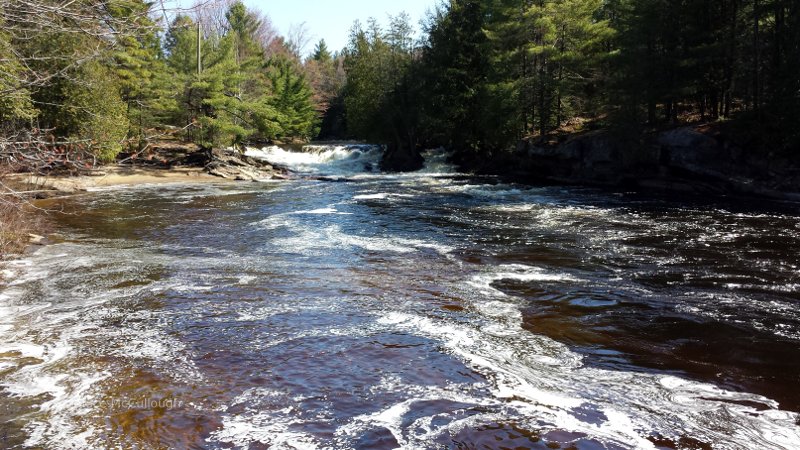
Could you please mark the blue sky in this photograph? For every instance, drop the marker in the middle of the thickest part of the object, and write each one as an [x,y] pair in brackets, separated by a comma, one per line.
[331,19]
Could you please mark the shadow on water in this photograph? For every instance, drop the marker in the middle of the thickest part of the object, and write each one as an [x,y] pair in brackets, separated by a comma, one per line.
[705,291]
[628,335]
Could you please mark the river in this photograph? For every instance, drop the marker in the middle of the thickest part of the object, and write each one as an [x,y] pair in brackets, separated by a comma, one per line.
[349,309]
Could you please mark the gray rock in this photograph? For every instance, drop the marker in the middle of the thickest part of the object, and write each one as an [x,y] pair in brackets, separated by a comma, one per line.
[681,160]
[232,165]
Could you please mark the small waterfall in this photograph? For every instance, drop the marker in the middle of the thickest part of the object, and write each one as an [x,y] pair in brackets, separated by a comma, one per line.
[324,159]
[345,159]
[438,162]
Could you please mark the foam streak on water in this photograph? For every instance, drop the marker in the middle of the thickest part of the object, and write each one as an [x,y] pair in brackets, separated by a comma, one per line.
[421,310]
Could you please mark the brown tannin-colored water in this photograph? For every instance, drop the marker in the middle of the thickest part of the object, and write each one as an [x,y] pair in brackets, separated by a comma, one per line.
[425,310]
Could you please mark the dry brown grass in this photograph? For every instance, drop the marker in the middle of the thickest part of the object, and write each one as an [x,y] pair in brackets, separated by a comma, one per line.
[18,220]
[14,228]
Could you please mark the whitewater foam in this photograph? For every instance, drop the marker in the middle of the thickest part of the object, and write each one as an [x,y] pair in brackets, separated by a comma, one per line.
[272,424]
[323,160]
[357,161]
[65,394]
[382,196]
[313,240]
[517,272]
[525,382]
[328,210]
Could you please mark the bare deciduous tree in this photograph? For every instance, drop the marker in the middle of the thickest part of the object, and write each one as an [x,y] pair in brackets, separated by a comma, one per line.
[298,39]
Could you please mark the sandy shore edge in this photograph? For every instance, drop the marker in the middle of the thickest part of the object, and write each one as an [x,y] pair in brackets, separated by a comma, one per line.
[115,176]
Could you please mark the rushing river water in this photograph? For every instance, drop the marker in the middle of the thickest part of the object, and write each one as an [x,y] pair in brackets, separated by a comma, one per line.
[425,310]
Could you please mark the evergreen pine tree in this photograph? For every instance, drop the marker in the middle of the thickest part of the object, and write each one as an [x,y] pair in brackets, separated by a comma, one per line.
[291,99]
[321,53]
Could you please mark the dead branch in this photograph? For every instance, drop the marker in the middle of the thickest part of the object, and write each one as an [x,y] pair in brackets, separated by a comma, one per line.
[38,151]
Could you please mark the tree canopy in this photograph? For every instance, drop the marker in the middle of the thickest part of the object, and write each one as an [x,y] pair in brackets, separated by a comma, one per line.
[114,75]
[485,74]
[479,76]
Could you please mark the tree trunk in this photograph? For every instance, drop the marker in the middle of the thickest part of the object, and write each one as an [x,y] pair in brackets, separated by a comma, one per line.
[559,115]
[756,58]
[730,60]
[542,115]
[703,99]
[714,105]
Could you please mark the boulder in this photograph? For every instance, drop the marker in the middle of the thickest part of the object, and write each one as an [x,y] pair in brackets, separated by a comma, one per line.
[690,151]
[596,157]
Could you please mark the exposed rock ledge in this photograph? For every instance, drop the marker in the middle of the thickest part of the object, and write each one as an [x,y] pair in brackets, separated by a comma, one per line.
[232,165]
[229,164]
[168,163]
[685,159]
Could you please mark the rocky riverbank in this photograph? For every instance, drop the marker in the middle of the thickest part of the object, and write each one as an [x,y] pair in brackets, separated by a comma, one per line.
[691,159]
[169,163]
[229,164]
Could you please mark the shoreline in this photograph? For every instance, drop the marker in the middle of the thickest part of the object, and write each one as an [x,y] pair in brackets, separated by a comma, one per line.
[110,176]
[41,190]
[700,159]
[26,192]
[26,229]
